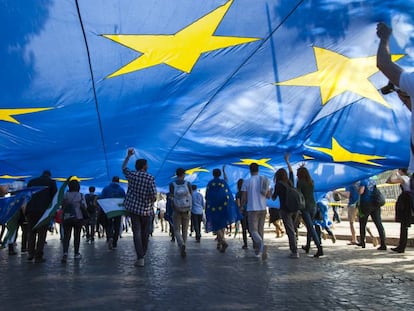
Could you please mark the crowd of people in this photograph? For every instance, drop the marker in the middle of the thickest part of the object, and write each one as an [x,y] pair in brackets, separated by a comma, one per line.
[221,209]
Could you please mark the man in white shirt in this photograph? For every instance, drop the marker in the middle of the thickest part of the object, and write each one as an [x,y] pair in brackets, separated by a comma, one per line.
[255,203]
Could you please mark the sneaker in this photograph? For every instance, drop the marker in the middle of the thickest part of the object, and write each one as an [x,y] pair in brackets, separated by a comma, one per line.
[223,248]
[294,255]
[318,254]
[306,249]
[78,256]
[382,248]
[64,258]
[139,262]
[183,253]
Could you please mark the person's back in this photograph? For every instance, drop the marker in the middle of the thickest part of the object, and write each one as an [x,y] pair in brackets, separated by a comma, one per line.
[40,201]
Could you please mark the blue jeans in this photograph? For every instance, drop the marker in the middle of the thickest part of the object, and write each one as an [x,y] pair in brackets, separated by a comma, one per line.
[310,228]
[375,213]
[256,220]
[141,231]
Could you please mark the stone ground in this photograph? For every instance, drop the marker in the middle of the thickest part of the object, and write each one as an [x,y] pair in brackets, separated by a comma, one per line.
[346,278]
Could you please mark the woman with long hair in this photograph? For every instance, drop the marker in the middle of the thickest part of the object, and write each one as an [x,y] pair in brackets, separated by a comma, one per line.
[306,186]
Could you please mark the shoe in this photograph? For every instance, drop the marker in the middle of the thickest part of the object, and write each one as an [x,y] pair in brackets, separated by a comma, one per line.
[319,253]
[294,255]
[139,262]
[64,258]
[40,260]
[77,256]
[110,244]
[361,244]
[264,254]
[397,250]
[306,249]
[218,246]
[183,253]
[374,241]
[382,248]
[244,246]
[223,247]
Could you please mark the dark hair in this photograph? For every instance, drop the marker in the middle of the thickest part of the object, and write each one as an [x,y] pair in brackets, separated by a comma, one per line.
[74,185]
[115,179]
[92,189]
[140,163]
[180,172]
[239,184]
[217,172]
[254,168]
[281,175]
[303,174]
[46,173]
[404,170]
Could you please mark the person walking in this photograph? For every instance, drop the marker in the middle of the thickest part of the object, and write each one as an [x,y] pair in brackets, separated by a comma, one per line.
[254,193]
[139,200]
[197,211]
[181,202]
[36,207]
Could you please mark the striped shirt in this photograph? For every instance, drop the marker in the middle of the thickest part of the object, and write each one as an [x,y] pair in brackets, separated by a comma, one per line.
[141,192]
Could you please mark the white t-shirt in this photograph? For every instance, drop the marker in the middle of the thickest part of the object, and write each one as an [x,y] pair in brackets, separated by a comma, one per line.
[255,200]
[407,85]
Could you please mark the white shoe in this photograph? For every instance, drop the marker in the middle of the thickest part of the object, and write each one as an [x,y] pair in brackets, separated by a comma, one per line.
[139,262]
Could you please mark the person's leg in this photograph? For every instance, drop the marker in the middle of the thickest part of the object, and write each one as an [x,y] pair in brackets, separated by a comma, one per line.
[137,231]
[40,244]
[145,232]
[67,232]
[362,225]
[376,218]
[352,210]
[253,219]
[77,228]
[116,231]
[290,230]
[185,221]
[244,230]
[403,237]
[177,220]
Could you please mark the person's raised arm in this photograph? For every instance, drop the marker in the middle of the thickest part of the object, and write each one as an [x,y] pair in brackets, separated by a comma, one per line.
[129,154]
[384,62]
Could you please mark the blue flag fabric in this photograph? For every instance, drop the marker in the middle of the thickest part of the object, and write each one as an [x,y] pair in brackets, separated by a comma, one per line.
[199,84]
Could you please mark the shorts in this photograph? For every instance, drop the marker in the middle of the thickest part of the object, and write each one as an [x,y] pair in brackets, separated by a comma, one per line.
[352,212]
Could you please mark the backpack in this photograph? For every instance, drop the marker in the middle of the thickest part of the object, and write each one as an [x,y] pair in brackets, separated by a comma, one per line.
[295,201]
[264,185]
[182,197]
[90,200]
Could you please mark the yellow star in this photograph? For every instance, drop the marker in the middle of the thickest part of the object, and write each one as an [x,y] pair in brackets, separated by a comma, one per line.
[196,169]
[261,162]
[181,50]
[6,114]
[340,154]
[13,177]
[337,74]
[72,178]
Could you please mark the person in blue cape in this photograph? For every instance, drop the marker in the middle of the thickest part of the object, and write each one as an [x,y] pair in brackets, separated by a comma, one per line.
[221,209]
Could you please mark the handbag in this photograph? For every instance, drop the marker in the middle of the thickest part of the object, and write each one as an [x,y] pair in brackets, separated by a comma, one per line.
[378,198]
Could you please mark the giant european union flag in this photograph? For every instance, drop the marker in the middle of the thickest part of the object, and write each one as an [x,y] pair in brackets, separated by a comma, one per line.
[201,84]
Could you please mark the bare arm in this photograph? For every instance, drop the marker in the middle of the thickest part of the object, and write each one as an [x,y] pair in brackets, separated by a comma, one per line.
[384,62]
[243,198]
[130,153]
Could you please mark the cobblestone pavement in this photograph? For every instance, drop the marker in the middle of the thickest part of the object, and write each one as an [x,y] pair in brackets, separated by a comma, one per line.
[346,278]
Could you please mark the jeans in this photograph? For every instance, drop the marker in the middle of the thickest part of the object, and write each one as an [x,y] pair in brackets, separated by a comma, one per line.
[113,227]
[36,238]
[181,222]
[310,228]
[141,231]
[288,221]
[256,220]
[67,229]
[196,220]
[375,213]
